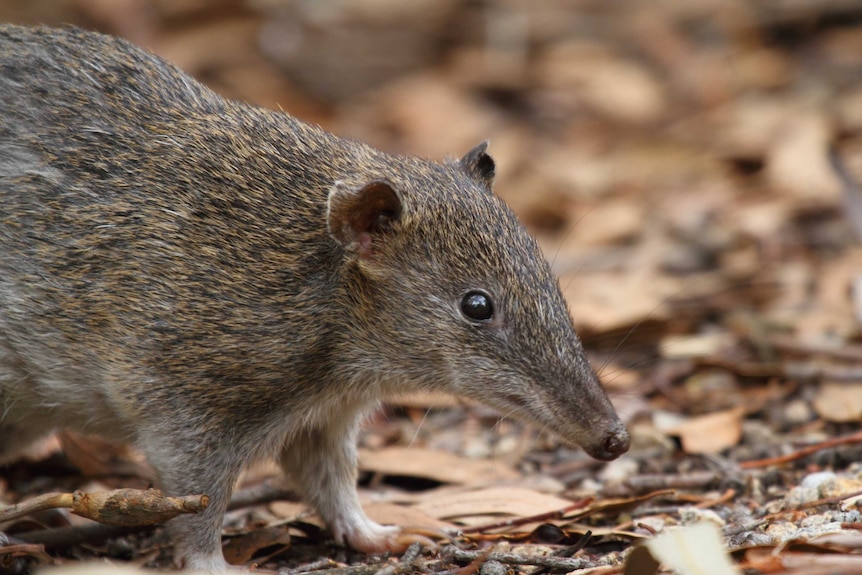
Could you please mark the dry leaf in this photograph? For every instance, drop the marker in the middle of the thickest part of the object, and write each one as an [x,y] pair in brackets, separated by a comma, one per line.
[610,222]
[692,550]
[710,433]
[407,516]
[798,161]
[96,456]
[441,466]
[618,88]
[473,507]
[839,402]
[240,550]
[290,510]
[606,301]
[695,345]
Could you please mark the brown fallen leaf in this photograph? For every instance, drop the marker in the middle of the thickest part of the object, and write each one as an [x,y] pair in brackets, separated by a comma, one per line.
[406,516]
[474,507]
[710,433]
[798,160]
[240,550]
[95,456]
[440,466]
[839,402]
[606,301]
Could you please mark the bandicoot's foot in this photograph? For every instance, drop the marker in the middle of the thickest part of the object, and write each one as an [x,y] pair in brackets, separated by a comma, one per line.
[381,539]
[369,537]
[208,564]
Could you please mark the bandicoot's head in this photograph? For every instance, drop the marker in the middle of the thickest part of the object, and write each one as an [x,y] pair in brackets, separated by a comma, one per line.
[458,296]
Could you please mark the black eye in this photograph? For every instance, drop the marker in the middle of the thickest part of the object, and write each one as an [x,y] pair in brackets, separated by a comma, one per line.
[477,306]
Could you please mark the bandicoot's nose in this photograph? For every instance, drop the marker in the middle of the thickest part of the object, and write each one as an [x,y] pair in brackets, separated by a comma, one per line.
[616,443]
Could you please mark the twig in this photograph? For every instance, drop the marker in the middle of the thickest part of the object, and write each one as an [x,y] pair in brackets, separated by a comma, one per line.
[349,570]
[646,527]
[558,514]
[405,564]
[732,530]
[828,500]
[121,507]
[567,551]
[787,344]
[563,563]
[651,482]
[317,565]
[799,454]
[64,537]
[728,495]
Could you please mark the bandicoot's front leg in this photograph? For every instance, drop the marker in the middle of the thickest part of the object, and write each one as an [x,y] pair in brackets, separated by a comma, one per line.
[322,462]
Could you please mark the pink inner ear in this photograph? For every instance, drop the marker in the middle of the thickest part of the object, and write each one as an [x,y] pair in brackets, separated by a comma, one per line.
[363,245]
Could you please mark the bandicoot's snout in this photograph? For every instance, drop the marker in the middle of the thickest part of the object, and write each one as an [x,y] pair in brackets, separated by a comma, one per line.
[616,442]
[592,422]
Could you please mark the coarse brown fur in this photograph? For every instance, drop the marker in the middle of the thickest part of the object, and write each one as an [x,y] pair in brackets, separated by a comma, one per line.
[218,283]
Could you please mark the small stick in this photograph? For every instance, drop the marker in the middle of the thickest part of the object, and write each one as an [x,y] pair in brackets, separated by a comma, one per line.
[728,495]
[788,344]
[567,551]
[405,564]
[349,570]
[562,563]
[120,507]
[799,454]
[318,565]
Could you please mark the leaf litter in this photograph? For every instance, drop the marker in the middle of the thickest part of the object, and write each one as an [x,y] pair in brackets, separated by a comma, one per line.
[691,171]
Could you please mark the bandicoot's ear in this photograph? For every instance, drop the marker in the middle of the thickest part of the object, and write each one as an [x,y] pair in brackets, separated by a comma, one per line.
[357,217]
[479,164]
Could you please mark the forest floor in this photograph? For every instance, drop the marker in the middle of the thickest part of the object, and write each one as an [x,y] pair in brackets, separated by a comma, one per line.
[688,167]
